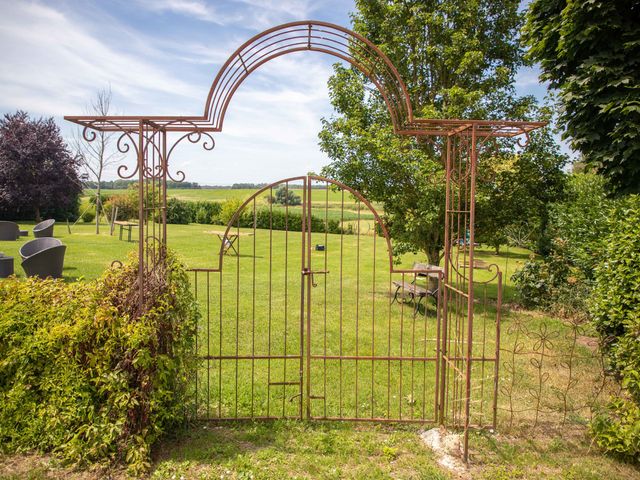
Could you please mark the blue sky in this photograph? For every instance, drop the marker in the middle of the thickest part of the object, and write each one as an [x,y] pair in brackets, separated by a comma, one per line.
[161,56]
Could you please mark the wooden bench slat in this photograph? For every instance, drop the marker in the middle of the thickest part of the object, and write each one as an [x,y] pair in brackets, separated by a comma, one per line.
[415,289]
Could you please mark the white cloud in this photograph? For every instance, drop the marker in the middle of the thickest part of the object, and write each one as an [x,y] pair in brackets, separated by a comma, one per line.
[268,13]
[54,65]
[527,77]
[191,8]
[55,58]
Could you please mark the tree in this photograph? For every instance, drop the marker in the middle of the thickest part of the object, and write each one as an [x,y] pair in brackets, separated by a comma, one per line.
[38,174]
[590,52]
[285,196]
[583,220]
[458,59]
[516,191]
[98,155]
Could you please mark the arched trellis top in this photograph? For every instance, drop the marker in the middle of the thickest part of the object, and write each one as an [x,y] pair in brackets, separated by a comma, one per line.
[319,37]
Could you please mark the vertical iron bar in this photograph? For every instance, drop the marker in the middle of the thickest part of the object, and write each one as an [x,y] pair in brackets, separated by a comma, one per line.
[270,300]
[237,306]
[445,294]
[220,347]
[357,300]
[497,356]
[470,307]
[307,208]
[341,267]
[303,377]
[373,321]
[253,314]
[326,248]
[164,189]
[401,345]
[286,287]
[196,350]
[141,217]
[208,350]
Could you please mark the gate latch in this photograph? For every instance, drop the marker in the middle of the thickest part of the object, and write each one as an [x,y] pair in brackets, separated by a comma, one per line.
[307,271]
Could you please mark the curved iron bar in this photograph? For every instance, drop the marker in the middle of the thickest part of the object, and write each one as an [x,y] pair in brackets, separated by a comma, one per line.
[329,182]
[88,133]
[463,156]
[193,137]
[157,171]
[527,138]
[307,35]
[238,212]
[464,277]
[123,144]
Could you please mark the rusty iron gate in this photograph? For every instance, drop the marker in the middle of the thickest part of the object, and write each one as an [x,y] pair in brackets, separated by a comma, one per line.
[298,336]
[306,316]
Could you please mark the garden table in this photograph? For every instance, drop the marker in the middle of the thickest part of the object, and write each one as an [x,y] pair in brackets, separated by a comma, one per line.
[230,241]
[125,226]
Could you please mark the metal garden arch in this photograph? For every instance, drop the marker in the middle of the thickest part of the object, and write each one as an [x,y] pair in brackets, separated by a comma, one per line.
[465,358]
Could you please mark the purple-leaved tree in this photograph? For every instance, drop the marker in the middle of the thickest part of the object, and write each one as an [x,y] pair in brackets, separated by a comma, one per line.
[38,174]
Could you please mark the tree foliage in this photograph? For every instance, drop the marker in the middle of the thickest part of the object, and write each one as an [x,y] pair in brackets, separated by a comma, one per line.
[615,306]
[458,59]
[286,196]
[590,52]
[583,221]
[579,227]
[515,191]
[38,175]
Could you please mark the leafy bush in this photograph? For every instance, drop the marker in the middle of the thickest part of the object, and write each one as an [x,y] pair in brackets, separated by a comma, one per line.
[617,429]
[104,198]
[578,226]
[582,221]
[88,216]
[126,203]
[228,210]
[279,219]
[531,284]
[553,283]
[615,305]
[86,372]
[615,308]
[207,212]
[179,212]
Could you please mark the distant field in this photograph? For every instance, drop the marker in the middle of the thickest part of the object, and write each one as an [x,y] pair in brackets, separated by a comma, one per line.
[223,194]
[319,198]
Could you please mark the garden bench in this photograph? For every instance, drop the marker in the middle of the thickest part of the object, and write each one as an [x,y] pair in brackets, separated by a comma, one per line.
[414,292]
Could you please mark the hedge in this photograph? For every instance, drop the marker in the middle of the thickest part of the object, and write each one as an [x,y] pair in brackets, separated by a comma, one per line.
[615,307]
[86,374]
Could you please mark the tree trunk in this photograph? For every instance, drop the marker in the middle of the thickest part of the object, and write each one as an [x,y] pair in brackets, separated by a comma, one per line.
[433,255]
[497,248]
[38,219]
[98,208]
